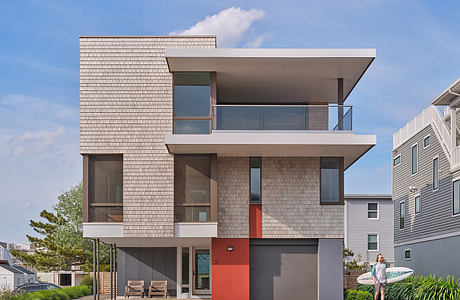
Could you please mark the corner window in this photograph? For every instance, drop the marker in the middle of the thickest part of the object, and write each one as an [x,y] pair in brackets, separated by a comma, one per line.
[397,160]
[456,197]
[417,204]
[372,210]
[414,159]
[192,103]
[192,185]
[255,163]
[435,173]
[407,254]
[402,214]
[426,141]
[372,242]
[331,180]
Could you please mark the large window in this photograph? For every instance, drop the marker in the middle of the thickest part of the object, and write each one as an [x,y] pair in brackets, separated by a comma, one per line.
[402,215]
[373,242]
[417,204]
[331,180]
[414,159]
[456,197]
[105,188]
[373,210]
[255,180]
[192,188]
[435,173]
[192,103]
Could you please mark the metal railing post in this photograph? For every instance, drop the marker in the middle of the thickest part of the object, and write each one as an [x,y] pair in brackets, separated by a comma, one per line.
[111,273]
[94,270]
[97,269]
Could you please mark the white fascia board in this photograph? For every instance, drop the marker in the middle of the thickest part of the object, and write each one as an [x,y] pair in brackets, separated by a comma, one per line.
[102,230]
[208,229]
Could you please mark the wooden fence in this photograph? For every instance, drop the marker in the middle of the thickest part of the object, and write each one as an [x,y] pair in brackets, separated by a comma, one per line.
[104,282]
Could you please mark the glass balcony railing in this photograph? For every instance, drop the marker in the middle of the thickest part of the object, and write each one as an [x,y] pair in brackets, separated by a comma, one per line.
[282,117]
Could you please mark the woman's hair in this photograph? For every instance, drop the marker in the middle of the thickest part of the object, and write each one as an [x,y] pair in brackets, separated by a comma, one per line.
[377,258]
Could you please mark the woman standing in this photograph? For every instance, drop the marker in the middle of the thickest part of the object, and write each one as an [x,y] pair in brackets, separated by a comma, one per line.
[380,278]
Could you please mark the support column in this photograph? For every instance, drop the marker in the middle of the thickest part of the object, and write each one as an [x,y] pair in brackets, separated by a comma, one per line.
[330,269]
[94,269]
[111,272]
[453,128]
[340,103]
[190,272]
[179,272]
[115,274]
[97,270]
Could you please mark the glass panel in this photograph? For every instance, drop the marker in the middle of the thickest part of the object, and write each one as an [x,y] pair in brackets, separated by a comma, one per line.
[192,78]
[185,269]
[283,118]
[202,270]
[397,161]
[401,215]
[192,101]
[105,214]
[417,204]
[372,214]
[456,197]
[407,254]
[330,180]
[435,174]
[372,206]
[414,159]
[237,118]
[372,242]
[192,126]
[255,179]
[426,141]
[106,179]
[192,213]
[192,178]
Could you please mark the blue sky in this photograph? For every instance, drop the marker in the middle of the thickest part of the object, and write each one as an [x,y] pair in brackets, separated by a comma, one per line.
[417,46]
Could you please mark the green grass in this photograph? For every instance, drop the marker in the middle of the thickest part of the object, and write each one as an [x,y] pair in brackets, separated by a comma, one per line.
[57,294]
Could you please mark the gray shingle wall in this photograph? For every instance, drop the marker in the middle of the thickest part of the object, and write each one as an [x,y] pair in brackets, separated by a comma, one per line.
[233,197]
[291,200]
[126,107]
[436,206]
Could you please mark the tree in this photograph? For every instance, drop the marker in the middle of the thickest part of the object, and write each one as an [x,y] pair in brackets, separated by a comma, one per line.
[61,245]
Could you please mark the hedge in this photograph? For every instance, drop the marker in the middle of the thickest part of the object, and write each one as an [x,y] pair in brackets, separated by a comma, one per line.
[57,294]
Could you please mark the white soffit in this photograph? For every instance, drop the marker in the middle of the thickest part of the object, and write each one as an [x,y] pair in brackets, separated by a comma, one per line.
[275,75]
[100,230]
[448,95]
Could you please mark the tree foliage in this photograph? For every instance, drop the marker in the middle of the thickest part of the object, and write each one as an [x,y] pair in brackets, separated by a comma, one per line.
[60,244]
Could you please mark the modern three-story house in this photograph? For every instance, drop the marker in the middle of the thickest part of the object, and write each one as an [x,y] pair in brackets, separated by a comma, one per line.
[219,170]
[426,188]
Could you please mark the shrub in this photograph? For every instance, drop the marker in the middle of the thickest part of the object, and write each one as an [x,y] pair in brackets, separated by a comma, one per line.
[432,288]
[57,294]
[358,295]
[86,281]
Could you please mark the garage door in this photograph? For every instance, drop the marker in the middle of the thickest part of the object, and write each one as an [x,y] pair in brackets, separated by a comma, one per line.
[283,269]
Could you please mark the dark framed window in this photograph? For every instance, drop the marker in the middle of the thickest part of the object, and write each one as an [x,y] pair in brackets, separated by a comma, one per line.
[402,215]
[192,102]
[397,160]
[426,141]
[255,180]
[414,159]
[192,188]
[372,242]
[373,210]
[456,197]
[331,180]
[435,173]
[417,204]
[407,254]
[103,175]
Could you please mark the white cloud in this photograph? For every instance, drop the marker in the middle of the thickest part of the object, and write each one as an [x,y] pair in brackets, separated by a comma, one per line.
[230,26]
[257,42]
[32,142]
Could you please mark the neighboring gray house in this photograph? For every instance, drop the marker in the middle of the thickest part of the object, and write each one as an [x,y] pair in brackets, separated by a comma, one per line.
[369,226]
[426,188]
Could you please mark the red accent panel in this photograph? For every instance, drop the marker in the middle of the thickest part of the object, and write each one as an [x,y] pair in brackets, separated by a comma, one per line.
[255,221]
[230,269]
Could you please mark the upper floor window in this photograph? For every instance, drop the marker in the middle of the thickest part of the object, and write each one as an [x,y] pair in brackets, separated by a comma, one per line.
[373,210]
[435,173]
[105,188]
[417,204]
[456,197]
[255,163]
[397,160]
[414,159]
[426,141]
[402,215]
[331,180]
[373,242]
[192,102]
[407,254]
[192,188]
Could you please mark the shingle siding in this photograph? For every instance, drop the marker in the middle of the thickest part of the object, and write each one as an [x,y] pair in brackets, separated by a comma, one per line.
[291,200]
[126,107]
[436,206]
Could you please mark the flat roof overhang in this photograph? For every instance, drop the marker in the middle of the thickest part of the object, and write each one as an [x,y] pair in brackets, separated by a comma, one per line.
[448,95]
[293,144]
[275,75]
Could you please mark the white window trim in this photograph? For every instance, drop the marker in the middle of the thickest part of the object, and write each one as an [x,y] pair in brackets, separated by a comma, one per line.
[399,218]
[428,136]
[432,173]
[452,210]
[411,159]
[378,241]
[378,210]
[415,206]
[404,254]
[399,155]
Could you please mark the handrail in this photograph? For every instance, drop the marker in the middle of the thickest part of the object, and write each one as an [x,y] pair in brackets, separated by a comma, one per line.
[280,105]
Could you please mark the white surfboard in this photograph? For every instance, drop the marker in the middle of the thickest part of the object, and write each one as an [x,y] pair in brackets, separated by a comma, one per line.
[393,275]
